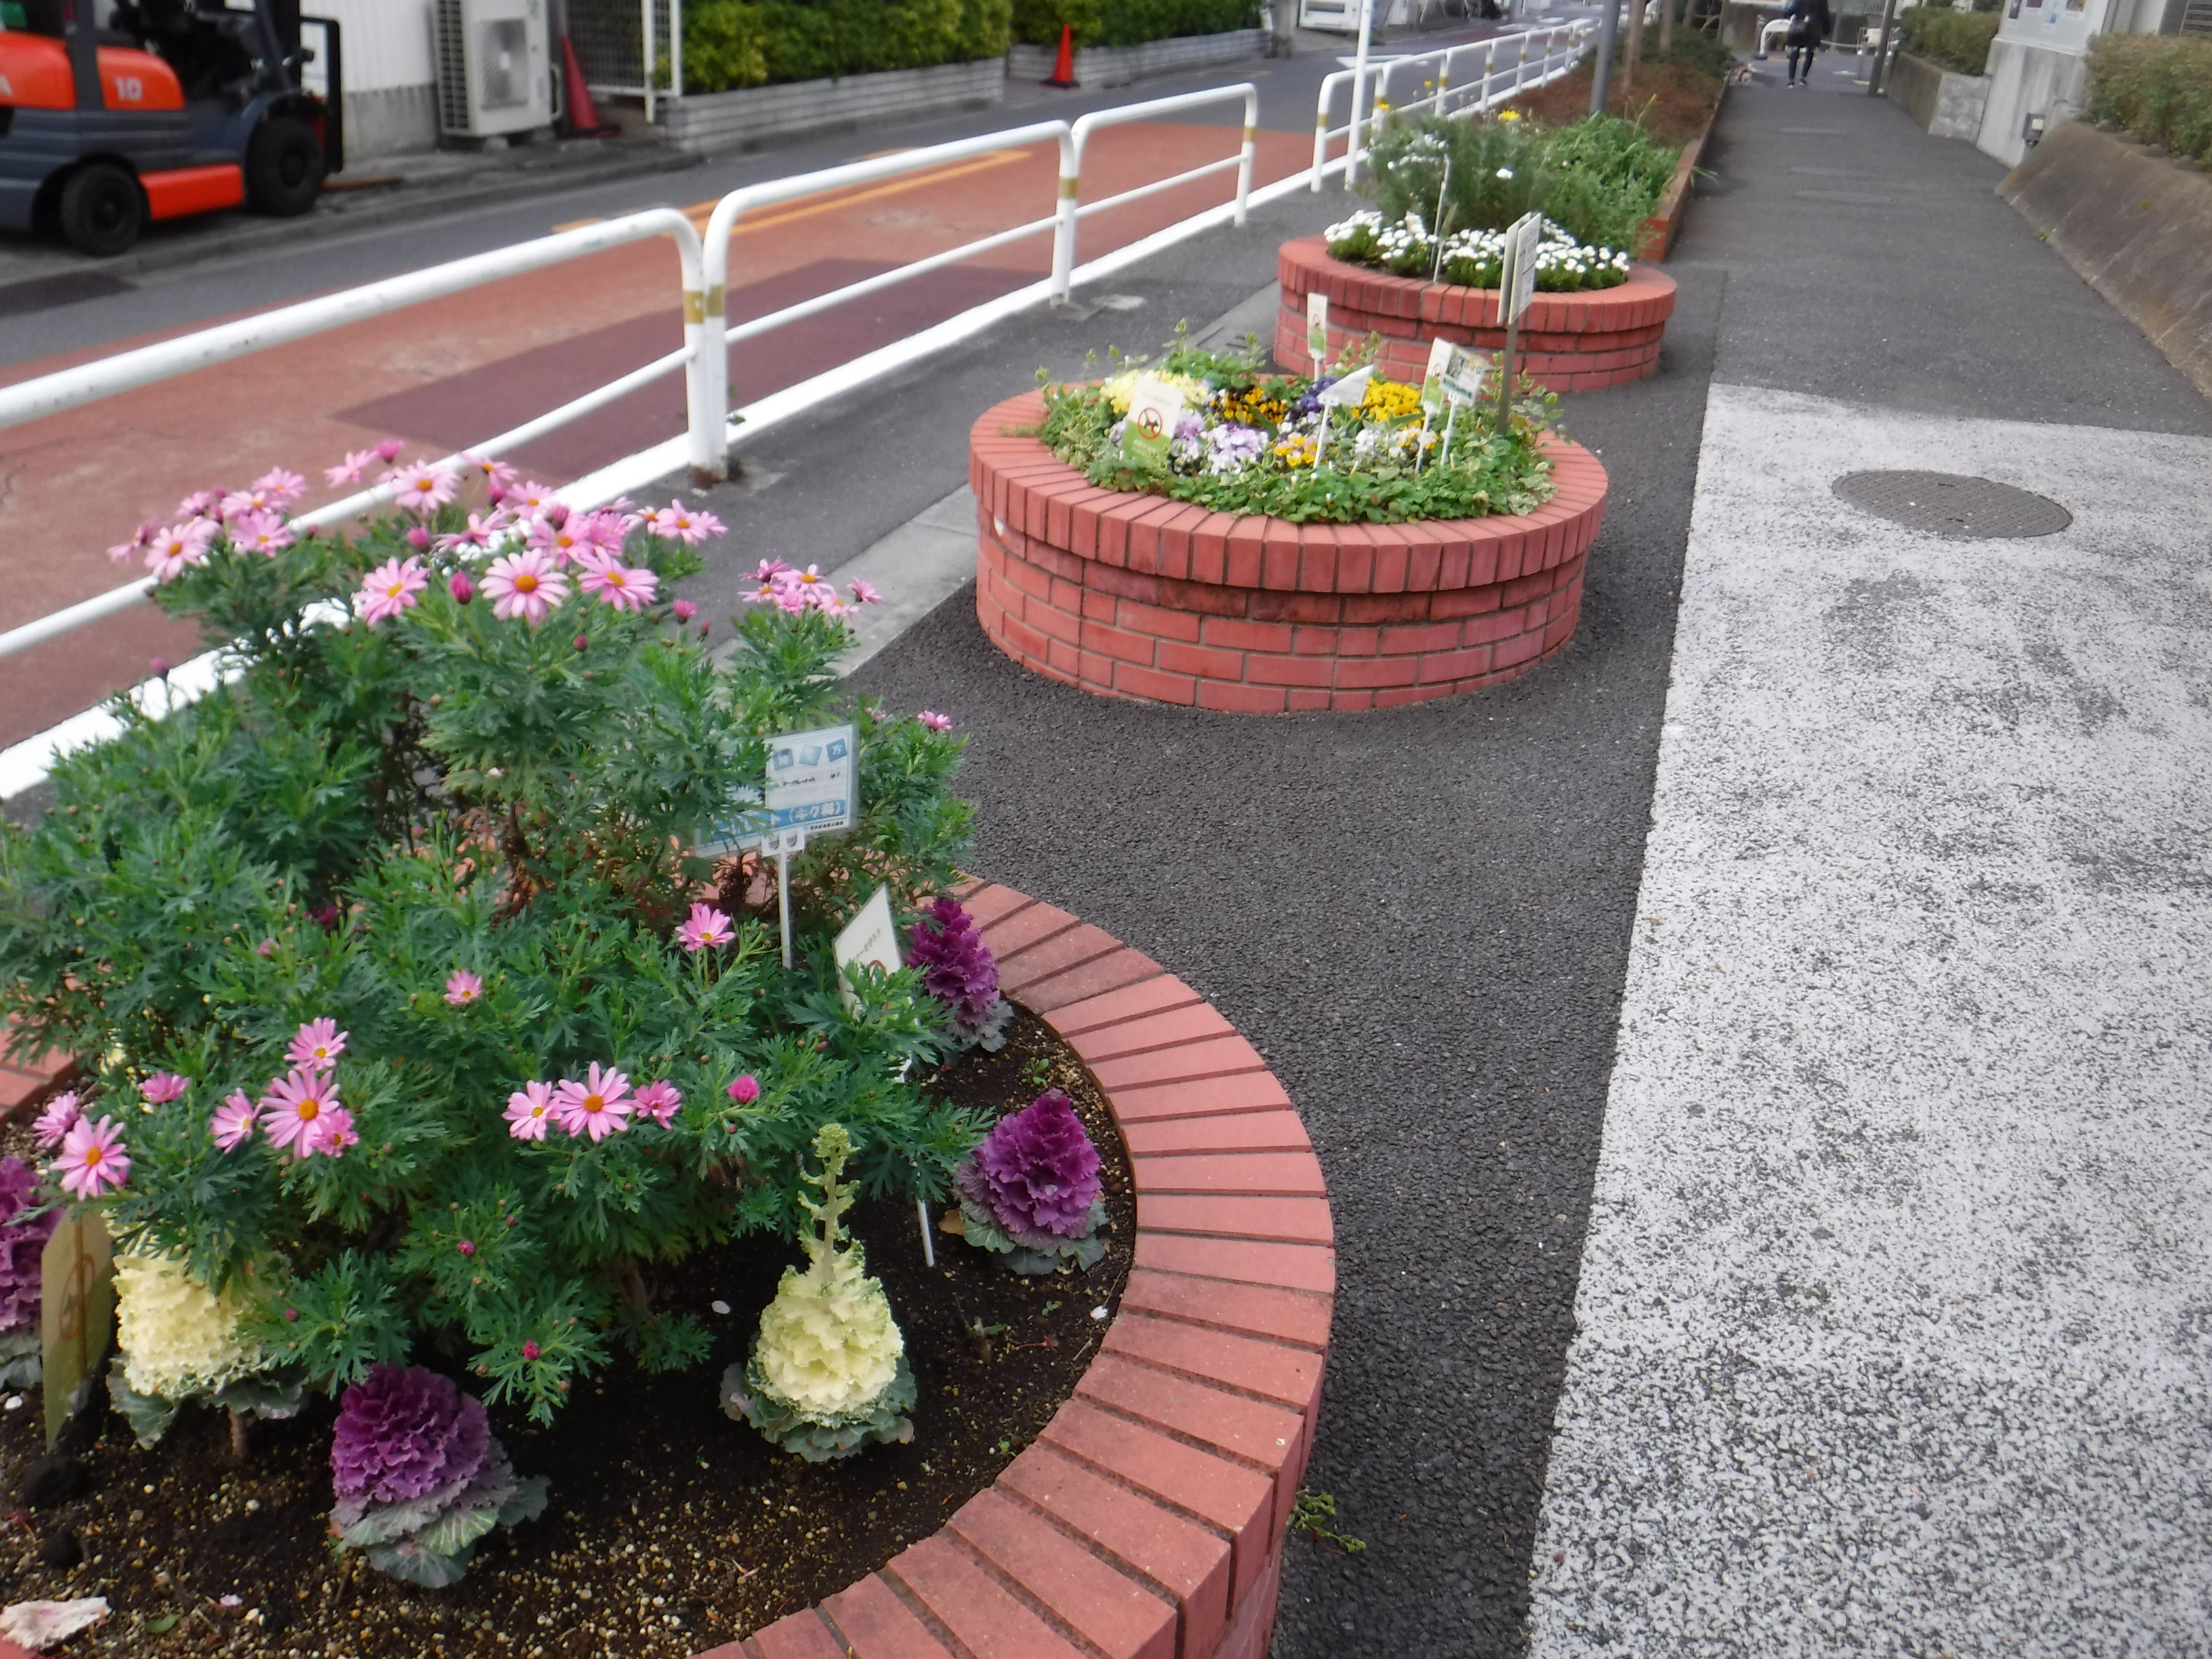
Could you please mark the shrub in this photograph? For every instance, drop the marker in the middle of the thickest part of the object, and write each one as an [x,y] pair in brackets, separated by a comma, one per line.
[1128,22]
[1959,41]
[390,956]
[1598,180]
[2157,88]
[744,43]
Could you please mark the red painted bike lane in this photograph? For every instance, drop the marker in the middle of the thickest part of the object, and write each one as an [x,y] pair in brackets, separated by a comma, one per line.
[445,375]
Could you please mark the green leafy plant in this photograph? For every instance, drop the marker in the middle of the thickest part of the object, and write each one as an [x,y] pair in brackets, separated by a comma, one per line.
[1956,40]
[1314,1513]
[1128,22]
[743,43]
[410,1012]
[2156,87]
[1253,442]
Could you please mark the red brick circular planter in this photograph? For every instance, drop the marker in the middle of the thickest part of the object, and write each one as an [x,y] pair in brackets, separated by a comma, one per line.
[1138,595]
[1147,1520]
[1569,342]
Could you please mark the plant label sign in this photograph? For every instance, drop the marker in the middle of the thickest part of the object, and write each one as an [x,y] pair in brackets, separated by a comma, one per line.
[1464,376]
[1350,391]
[869,939]
[1432,378]
[1317,330]
[812,780]
[78,1270]
[1518,281]
[1154,407]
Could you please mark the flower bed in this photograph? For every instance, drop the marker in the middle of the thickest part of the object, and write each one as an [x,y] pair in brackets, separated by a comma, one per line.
[1149,1516]
[1136,595]
[1571,341]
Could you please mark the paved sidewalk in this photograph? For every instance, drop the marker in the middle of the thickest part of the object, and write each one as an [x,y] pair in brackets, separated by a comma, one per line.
[1892,1330]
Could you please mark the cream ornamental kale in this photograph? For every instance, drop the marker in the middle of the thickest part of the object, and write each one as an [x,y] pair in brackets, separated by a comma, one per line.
[419,1478]
[957,969]
[1030,1192]
[26,1224]
[410,989]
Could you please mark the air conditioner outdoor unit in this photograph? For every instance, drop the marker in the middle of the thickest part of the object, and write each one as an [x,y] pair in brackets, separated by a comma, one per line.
[494,67]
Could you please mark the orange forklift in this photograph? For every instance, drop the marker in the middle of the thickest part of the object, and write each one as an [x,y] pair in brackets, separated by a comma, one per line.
[116,112]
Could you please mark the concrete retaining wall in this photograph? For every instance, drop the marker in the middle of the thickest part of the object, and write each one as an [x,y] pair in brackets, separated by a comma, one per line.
[390,121]
[1948,104]
[2026,81]
[755,115]
[1117,66]
[2136,225]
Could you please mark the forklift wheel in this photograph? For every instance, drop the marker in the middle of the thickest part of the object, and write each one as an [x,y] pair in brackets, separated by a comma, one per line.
[283,166]
[101,210]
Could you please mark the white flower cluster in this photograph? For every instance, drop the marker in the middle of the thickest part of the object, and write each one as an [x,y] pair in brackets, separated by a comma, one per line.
[1474,257]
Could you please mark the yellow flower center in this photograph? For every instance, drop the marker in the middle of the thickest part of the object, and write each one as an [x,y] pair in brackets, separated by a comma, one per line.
[309,1108]
[593,1104]
[526,583]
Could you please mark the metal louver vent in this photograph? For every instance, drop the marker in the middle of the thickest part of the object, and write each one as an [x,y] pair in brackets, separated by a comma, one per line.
[2197,17]
[452,68]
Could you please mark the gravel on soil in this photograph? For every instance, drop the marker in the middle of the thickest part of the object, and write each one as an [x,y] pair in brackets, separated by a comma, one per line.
[671,1528]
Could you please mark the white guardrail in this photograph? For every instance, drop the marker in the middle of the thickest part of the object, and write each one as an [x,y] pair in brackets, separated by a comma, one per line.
[704,265]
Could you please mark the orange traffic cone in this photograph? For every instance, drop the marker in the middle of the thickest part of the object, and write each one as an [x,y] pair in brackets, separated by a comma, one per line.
[583,115]
[1063,71]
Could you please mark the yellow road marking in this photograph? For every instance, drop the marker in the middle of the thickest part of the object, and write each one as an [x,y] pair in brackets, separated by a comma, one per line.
[700,212]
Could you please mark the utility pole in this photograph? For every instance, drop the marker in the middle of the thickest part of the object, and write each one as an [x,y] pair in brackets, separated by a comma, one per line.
[1881,57]
[1608,23]
[1286,16]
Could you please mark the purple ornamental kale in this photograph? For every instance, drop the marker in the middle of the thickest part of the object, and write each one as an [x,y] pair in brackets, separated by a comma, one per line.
[956,967]
[21,1246]
[403,1433]
[1037,1172]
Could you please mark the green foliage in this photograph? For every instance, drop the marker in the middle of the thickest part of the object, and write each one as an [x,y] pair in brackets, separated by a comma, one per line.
[362,811]
[1314,1513]
[2157,87]
[1598,180]
[1482,472]
[1958,40]
[1128,22]
[1694,48]
[745,43]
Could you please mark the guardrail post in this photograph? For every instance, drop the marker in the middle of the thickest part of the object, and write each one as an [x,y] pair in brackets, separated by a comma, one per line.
[1246,155]
[707,383]
[1063,229]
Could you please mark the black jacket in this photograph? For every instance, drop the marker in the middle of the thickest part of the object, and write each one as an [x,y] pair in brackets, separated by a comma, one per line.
[1809,22]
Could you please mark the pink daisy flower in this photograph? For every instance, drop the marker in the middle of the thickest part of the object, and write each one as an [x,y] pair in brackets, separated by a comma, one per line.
[124,552]
[349,471]
[53,1123]
[559,539]
[478,534]
[497,474]
[626,587]
[810,580]
[769,569]
[678,522]
[525,585]
[597,1106]
[769,593]
[282,486]
[865,593]
[333,1134]
[463,988]
[659,1101]
[424,487]
[263,533]
[202,504]
[389,589]
[935,721]
[705,926]
[683,611]
[388,451]
[234,1120]
[317,1045]
[294,1108]
[529,499]
[163,1087]
[530,1111]
[169,550]
[93,1158]
[605,527]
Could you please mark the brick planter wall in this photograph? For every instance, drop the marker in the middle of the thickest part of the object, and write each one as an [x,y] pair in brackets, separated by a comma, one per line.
[1569,342]
[1147,1520]
[1137,596]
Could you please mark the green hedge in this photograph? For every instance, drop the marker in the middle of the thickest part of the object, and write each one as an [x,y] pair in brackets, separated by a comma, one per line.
[746,43]
[1959,41]
[2157,88]
[1129,22]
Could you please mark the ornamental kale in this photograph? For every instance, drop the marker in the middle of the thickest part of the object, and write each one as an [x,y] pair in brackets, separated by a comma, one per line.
[22,1242]
[414,966]
[419,1478]
[957,967]
[1030,1191]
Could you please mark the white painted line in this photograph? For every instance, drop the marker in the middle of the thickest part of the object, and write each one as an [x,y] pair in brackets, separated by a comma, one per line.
[1892,1331]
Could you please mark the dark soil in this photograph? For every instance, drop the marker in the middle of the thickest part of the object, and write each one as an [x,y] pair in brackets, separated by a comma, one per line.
[671,1528]
[1672,99]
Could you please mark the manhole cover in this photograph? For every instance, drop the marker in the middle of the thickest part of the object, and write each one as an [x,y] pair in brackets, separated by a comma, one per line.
[1947,504]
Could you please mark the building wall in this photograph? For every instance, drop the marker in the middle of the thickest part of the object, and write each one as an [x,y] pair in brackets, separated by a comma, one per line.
[390,72]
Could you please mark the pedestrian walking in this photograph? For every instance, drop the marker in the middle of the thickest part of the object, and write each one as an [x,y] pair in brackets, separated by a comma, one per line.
[1809,25]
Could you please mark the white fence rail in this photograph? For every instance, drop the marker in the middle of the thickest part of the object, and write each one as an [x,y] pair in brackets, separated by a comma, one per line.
[703,270]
